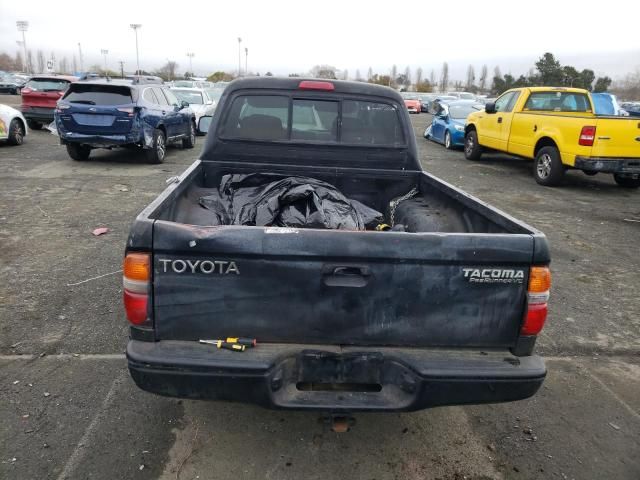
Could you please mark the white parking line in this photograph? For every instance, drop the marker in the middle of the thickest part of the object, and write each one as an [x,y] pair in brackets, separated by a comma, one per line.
[78,453]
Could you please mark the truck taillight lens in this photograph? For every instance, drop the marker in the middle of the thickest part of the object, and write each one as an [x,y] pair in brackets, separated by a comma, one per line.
[537,298]
[587,136]
[136,280]
[129,110]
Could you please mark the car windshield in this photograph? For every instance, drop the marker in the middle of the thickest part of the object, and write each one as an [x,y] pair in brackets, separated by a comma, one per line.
[47,85]
[192,98]
[458,112]
[410,96]
[183,83]
[467,96]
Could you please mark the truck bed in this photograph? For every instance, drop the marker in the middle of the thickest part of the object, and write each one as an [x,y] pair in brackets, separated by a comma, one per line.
[437,211]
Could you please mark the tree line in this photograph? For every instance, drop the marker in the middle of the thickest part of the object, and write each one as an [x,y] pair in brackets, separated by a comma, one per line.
[547,71]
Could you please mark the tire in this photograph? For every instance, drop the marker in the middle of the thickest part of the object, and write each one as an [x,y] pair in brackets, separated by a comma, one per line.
[16,132]
[626,182]
[158,151]
[472,149]
[33,125]
[447,141]
[78,152]
[190,141]
[547,167]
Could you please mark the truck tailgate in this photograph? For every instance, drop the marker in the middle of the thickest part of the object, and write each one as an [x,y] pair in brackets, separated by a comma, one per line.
[339,287]
[617,137]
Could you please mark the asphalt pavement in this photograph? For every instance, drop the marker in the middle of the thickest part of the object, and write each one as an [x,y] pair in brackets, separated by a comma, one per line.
[68,408]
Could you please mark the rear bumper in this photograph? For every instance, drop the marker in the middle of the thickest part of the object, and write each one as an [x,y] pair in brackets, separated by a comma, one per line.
[608,165]
[363,378]
[38,114]
[100,141]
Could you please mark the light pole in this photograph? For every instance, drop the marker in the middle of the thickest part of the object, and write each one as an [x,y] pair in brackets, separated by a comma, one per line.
[239,57]
[191,55]
[246,60]
[121,68]
[135,27]
[22,27]
[81,59]
[104,54]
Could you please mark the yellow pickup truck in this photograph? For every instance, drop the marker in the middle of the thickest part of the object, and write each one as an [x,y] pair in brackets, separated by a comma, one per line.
[558,129]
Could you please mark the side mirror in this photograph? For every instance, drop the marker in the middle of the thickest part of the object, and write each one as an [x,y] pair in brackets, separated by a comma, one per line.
[204,123]
[184,104]
[490,107]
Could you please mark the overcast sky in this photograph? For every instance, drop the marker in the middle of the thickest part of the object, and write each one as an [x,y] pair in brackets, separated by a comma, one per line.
[293,36]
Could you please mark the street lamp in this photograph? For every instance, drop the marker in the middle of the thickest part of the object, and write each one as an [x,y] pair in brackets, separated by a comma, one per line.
[104,54]
[81,59]
[23,27]
[246,60]
[191,55]
[239,58]
[135,27]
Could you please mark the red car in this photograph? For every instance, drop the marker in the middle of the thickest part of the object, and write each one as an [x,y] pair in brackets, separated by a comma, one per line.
[412,102]
[40,95]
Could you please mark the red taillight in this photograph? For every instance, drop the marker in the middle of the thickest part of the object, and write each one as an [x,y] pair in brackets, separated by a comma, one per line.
[537,297]
[534,321]
[135,304]
[587,136]
[316,85]
[136,281]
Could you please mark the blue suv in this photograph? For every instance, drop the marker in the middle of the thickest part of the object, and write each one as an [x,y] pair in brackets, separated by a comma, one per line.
[121,113]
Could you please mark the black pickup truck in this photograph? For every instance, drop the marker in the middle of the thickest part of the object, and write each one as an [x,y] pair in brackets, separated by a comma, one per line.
[439,304]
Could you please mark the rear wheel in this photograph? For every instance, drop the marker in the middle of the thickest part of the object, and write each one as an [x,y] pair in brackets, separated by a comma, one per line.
[78,152]
[472,149]
[158,149]
[547,167]
[33,125]
[626,182]
[16,132]
[190,141]
[447,141]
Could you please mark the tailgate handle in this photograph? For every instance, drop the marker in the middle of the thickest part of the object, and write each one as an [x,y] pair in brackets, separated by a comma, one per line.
[346,275]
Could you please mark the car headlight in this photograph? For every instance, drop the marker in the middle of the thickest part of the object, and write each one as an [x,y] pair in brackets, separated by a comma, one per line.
[459,128]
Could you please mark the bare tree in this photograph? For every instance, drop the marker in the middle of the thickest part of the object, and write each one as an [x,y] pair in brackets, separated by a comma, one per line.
[418,76]
[483,78]
[407,78]
[432,77]
[41,61]
[345,74]
[64,65]
[19,62]
[394,75]
[369,74]
[497,72]
[358,76]
[324,71]
[74,64]
[444,77]
[471,78]
[30,60]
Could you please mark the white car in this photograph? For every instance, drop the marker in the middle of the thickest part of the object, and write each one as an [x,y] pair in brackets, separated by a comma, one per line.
[198,99]
[13,126]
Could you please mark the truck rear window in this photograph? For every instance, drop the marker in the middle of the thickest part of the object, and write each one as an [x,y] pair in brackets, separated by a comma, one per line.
[99,94]
[268,118]
[558,102]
